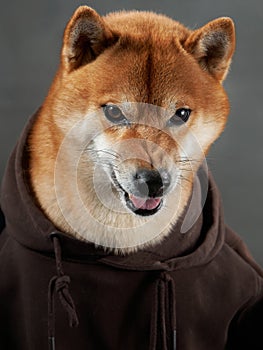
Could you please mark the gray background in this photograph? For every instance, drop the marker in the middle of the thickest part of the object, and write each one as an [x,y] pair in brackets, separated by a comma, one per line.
[30,40]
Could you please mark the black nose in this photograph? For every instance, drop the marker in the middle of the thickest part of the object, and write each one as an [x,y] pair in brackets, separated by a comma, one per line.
[151,183]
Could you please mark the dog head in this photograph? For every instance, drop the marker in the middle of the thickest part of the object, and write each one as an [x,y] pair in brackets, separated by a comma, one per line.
[147,98]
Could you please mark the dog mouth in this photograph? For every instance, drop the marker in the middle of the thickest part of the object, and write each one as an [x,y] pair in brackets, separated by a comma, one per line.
[143,206]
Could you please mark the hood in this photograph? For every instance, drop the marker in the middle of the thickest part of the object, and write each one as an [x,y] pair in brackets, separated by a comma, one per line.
[27,224]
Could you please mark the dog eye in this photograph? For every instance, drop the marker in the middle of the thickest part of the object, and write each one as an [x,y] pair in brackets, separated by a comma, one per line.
[114,114]
[180,116]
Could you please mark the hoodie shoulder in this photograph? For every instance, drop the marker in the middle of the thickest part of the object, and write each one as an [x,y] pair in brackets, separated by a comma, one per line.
[237,244]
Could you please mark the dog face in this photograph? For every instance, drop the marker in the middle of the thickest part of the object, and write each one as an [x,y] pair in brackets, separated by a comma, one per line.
[146,95]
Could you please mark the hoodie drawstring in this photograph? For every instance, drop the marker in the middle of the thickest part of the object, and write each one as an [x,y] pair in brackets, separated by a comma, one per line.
[163,325]
[163,333]
[60,285]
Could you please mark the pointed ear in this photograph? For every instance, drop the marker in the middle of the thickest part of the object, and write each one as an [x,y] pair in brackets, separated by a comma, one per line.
[86,36]
[213,46]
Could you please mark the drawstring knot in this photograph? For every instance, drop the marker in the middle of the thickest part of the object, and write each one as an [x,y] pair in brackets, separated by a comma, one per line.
[163,318]
[60,285]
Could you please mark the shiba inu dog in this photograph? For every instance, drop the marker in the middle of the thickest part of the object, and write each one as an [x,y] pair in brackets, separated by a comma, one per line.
[132,112]
[109,221]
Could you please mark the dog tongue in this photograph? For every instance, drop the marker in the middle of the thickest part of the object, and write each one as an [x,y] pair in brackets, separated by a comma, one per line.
[145,203]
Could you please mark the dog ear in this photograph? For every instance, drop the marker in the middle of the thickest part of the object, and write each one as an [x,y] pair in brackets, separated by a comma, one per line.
[213,46]
[86,36]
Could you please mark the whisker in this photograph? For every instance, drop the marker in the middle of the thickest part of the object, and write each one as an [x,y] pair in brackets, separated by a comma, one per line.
[183,178]
[108,152]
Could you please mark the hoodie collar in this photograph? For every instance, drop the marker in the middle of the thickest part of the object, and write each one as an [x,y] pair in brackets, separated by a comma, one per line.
[27,224]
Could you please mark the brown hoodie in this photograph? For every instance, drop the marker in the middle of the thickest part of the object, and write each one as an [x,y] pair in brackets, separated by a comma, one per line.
[195,291]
